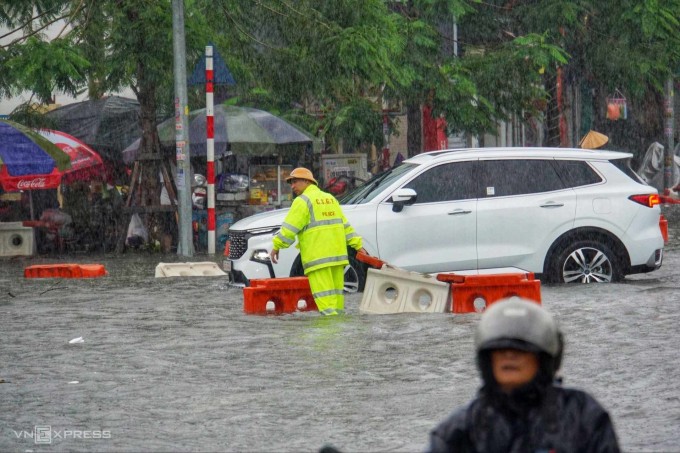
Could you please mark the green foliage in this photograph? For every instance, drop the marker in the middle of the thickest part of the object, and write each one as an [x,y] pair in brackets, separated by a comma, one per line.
[32,116]
[357,122]
[328,53]
[344,56]
[43,67]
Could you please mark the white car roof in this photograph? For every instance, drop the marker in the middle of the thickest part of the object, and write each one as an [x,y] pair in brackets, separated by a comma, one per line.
[509,152]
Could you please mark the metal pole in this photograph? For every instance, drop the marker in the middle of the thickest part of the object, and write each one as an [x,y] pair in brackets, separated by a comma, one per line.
[385,161]
[455,37]
[186,245]
[210,146]
[668,130]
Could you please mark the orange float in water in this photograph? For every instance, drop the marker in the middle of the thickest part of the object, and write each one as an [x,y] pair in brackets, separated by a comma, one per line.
[65,271]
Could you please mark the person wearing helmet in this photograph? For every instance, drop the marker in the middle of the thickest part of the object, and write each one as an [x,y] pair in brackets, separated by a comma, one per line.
[323,234]
[521,407]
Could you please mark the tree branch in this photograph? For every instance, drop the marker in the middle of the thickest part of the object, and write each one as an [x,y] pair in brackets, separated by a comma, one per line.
[244,32]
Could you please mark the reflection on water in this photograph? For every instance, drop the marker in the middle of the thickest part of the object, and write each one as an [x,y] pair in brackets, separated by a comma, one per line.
[175,364]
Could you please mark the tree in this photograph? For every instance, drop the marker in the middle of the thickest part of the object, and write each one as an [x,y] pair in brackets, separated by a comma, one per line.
[489,80]
[30,62]
[330,55]
[343,56]
[630,46]
[103,46]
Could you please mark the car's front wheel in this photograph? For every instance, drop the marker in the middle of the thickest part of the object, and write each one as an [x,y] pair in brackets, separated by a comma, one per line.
[355,273]
[586,261]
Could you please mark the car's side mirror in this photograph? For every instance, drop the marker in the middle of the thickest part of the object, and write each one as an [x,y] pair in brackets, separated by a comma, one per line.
[402,197]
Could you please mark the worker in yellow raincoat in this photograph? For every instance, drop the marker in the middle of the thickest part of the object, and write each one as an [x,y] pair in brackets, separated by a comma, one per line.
[323,234]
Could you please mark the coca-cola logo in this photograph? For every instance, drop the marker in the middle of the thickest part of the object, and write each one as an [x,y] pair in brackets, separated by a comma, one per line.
[35,183]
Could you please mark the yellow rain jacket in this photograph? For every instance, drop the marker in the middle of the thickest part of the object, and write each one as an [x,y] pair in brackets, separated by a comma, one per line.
[322,229]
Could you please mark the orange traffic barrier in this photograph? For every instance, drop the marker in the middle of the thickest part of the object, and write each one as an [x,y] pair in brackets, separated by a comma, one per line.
[475,293]
[663,225]
[65,271]
[370,260]
[277,296]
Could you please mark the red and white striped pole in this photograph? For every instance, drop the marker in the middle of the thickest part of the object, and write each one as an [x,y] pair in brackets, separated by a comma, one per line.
[210,146]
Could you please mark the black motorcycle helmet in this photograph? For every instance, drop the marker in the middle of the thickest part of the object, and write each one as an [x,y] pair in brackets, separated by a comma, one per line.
[519,324]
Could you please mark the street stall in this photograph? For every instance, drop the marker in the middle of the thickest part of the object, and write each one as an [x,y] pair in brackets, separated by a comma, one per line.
[254,153]
[34,164]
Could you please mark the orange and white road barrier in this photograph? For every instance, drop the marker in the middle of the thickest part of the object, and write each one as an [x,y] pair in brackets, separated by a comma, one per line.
[278,296]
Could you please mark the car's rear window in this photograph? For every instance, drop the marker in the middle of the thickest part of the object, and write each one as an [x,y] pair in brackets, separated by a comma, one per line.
[576,173]
[624,166]
[518,176]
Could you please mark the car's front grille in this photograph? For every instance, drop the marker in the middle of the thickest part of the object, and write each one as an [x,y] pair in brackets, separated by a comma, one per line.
[238,244]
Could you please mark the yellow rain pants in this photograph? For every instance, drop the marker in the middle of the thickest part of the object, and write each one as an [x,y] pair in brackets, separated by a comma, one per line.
[327,286]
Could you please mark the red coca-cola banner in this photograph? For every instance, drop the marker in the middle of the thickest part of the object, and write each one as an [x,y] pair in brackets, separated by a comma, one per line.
[29,182]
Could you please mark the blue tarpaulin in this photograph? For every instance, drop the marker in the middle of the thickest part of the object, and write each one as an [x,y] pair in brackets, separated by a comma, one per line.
[221,73]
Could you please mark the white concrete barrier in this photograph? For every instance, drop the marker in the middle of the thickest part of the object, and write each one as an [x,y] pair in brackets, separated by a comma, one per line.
[203,269]
[389,290]
[16,239]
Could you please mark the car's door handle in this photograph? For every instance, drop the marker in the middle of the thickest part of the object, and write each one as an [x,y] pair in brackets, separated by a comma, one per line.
[552,204]
[460,211]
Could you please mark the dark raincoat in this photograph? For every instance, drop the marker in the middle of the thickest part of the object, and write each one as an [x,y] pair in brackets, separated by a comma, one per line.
[533,419]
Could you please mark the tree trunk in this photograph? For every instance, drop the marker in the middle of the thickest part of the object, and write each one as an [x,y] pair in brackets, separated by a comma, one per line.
[414,134]
[146,95]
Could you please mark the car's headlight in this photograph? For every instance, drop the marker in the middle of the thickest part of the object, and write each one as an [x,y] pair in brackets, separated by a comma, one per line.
[261,255]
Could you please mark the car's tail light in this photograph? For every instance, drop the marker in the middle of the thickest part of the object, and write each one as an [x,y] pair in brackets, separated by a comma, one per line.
[648,199]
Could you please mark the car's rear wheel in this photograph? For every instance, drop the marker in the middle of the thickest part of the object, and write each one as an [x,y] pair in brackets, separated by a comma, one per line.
[586,261]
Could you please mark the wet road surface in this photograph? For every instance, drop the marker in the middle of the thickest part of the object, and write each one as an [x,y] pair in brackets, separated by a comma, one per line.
[173,364]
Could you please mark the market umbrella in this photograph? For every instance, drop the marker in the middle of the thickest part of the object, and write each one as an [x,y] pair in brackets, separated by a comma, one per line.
[86,163]
[108,124]
[29,161]
[81,162]
[245,130]
[593,140]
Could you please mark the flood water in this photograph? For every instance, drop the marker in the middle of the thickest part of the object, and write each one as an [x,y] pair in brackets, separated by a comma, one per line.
[173,364]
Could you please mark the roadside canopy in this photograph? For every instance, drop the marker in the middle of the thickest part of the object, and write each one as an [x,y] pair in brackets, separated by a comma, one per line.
[108,124]
[238,130]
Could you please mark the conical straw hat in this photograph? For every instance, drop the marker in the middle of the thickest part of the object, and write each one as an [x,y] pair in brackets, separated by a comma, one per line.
[593,140]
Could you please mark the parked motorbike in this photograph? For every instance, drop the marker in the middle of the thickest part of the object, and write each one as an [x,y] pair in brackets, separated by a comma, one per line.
[199,219]
[342,184]
[199,191]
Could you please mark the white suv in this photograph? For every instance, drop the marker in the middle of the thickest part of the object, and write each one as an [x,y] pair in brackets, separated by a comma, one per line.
[567,215]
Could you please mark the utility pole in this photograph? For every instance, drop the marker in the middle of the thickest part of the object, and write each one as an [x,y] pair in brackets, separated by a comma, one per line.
[668,130]
[185,244]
